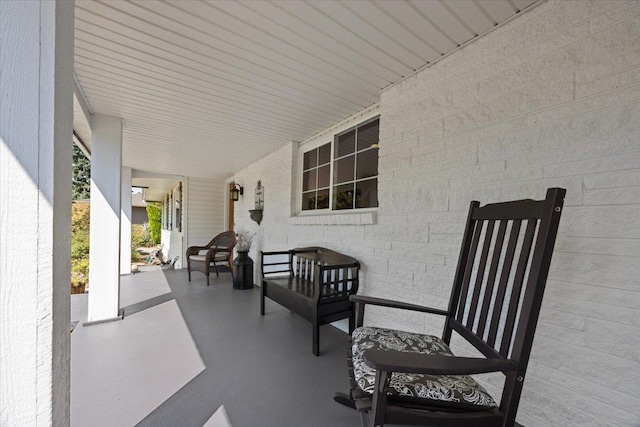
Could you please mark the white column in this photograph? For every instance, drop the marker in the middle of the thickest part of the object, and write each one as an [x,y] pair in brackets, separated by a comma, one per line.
[36,122]
[104,234]
[125,222]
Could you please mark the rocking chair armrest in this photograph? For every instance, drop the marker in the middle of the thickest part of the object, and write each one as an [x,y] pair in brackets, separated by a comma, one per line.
[418,363]
[396,304]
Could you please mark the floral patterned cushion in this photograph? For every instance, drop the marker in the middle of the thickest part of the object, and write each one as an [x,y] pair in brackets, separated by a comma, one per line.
[452,391]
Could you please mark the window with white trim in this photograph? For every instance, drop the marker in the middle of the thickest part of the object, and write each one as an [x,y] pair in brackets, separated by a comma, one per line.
[343,174]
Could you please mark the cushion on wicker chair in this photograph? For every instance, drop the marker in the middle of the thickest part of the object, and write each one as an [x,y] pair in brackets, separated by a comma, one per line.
[450,391]
[218,256]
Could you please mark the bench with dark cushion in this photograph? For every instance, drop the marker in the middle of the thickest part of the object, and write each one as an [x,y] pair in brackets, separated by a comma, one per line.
[314,283]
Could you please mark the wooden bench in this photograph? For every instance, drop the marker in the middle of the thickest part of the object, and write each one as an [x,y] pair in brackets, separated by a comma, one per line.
[314,283]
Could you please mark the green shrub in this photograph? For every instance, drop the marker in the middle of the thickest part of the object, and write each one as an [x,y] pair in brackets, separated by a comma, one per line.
[79,217]
[140,236]
[154,212]
[79,245]
[79,272]
[135,255]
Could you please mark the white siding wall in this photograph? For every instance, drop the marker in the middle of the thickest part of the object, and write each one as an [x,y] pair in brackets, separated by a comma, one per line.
[551,99]
[172,247]
[204,201]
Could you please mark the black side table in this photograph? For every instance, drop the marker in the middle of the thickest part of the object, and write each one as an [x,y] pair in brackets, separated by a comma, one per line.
[243,271]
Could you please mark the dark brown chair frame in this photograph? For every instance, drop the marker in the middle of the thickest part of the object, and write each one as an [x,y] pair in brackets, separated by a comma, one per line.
[470,316]
[223,243]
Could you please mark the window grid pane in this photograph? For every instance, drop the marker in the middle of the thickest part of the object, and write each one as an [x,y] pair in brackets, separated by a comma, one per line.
[345,143]
[368,134]
[366,195]
[324,154]
[343,196]
[344,169]
[367,163]
[324,176]
[309,201]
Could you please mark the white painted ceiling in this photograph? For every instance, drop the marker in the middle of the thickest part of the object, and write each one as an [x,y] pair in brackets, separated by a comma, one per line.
[206,88]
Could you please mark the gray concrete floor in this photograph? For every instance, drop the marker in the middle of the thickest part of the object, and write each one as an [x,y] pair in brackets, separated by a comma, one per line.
[185,349]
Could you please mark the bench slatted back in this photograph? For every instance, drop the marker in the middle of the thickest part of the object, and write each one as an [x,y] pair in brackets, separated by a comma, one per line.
[337,273]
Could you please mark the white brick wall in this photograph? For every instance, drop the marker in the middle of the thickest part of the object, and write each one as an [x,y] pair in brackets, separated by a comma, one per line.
[550,99]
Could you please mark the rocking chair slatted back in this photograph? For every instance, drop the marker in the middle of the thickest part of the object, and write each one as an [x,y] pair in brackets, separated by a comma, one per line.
[495,304]
[488,293]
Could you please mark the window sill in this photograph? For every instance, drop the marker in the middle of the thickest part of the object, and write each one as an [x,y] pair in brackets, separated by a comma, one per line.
[351,218]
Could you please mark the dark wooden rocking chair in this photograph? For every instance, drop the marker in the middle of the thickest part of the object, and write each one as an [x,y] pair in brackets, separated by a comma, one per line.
[407,378]
[219,249]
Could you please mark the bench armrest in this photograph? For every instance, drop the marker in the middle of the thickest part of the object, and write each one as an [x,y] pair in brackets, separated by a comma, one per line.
[280,267]
[360,299]
[417,363]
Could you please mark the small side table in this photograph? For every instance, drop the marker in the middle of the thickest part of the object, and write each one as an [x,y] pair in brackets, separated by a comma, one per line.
[243,271]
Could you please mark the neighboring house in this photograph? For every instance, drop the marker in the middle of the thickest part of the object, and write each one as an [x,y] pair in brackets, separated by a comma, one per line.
[138,209]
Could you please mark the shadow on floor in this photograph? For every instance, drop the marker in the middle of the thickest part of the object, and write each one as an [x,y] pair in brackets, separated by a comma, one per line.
[259,367]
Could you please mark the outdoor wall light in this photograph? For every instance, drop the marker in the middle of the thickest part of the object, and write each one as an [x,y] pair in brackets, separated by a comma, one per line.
[236,191]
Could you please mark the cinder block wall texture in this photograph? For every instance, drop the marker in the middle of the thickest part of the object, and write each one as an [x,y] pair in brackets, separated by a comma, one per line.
[550,99]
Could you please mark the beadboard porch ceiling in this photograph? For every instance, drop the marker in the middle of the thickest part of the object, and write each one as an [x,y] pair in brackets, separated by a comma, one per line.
[206,88]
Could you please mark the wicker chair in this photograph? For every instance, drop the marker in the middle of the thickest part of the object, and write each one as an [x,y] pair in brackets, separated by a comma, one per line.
[219,249]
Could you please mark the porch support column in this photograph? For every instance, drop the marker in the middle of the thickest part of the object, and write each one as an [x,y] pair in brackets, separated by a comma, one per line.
[104,248]
[36,122]
[125,222]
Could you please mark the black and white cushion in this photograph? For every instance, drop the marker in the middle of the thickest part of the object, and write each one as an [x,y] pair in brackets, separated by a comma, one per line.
[451,391]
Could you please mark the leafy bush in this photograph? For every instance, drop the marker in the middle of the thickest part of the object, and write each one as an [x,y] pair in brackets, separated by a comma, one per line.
[154,212]
[79,217]
[140,236]
[79,244]
[79,272]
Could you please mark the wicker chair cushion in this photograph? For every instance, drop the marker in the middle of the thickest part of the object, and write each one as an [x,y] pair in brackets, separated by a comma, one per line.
[219,256]
[450,391]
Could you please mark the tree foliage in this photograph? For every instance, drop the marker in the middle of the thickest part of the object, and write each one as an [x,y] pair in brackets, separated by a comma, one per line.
[154,212]
[81,180]
[79,244]
[79,217]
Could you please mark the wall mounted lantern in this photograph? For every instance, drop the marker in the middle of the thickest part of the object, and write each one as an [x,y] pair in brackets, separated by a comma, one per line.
[236,191]
[256,213]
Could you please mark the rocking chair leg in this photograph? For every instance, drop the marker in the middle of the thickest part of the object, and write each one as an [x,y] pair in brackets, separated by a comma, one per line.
[364,419]
[189,273]
[379,402]
[352,322]
[344,399]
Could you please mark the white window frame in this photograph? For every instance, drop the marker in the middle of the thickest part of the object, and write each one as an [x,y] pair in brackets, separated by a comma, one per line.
[318,142]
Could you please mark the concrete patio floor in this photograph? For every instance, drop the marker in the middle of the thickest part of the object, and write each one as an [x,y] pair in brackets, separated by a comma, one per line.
[184,350]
